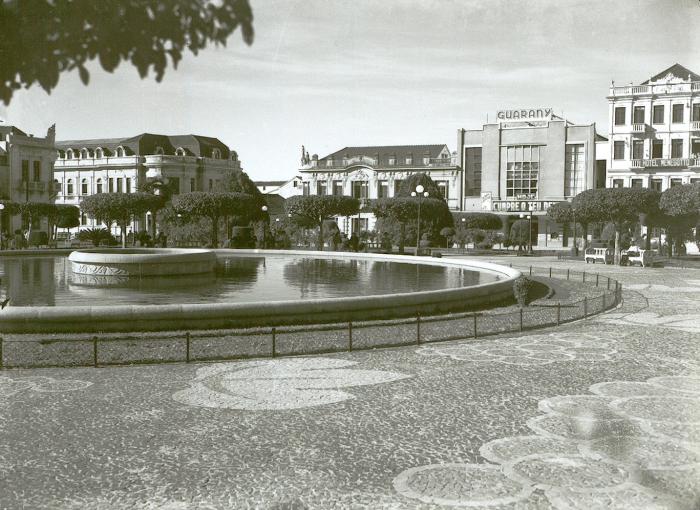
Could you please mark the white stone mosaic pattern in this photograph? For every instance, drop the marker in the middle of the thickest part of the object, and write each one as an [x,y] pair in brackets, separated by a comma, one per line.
[279,384]
[10,386]
[628,445]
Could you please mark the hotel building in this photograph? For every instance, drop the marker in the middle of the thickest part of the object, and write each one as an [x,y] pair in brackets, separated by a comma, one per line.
[26,172]
[655,131]
[123,165]
[375,172]
[524,162]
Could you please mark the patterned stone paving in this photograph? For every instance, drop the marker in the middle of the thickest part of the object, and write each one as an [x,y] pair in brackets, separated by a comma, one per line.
[601,413]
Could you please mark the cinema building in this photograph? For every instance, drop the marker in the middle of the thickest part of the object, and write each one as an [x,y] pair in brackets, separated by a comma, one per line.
[525,161]
[122,165]
[374,172]
[655,131]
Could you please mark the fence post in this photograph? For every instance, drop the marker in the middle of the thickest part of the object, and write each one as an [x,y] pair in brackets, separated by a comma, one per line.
[187,352]
[550,272]
[350,336]
[1,365]
[521,319]
[418,329]
[585,307]
[584,277]
[596,279]
[567,274]
[474,325]
[530,270]
[94,351]
[558,312]
[608,284]
[274,342]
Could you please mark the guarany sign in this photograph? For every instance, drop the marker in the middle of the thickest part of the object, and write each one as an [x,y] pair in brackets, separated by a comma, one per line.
[525,114]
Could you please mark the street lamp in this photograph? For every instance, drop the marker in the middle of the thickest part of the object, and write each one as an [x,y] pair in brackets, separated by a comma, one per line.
[264,210]
[2,239]
[420,193]
[529,230]
[463,235]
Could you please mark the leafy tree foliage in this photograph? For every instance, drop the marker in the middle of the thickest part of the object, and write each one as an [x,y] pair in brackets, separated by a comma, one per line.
[312,210]
[520,233]
[119,208]
[43,38]
[67,216]
[162,192]
[97,236]
[214,206]
[679,209]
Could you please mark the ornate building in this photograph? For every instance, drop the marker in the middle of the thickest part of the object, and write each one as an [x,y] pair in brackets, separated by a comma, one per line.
[26,172]
[377,172]
[655,131]
[122,165]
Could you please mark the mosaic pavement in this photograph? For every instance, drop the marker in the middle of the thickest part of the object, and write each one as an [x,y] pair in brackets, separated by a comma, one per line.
[602,413]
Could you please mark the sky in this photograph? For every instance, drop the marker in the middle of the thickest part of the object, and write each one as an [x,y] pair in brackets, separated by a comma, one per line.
[334,73]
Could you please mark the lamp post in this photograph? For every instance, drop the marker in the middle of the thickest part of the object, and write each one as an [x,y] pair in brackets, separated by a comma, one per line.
[264,210]
[529,230]
[464,227]
[2,232]
[420,193]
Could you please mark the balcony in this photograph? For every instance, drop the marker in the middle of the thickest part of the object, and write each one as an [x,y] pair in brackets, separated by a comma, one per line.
[31,186]
[637,163]
[659,88]
[440,162]
[695,125]
[639,128]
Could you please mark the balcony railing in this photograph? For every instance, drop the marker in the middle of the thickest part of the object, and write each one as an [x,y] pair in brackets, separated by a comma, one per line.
[639,128]
[695,125]
[659,88]
[440,162]
[31,186]
[660,162]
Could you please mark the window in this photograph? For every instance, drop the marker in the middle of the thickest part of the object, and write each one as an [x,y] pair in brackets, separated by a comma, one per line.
[676,181]
[638,115]
[359,189]
[696,112]
[69,154]
[658,114]
[119,185]
[305,188]
[294,183]
[655,184]
[84,154]
[329,162]
[216,154]
[99,153]
[676,148]
[383,189]
[99,186]
[25,170]
[636,183]
[677,113]
[128,185]
[359,225]
[173,184]
[617,183]
[120,152]
[193,184]
[37,171]
[444,189]
[338,188]
[619,150]
[574,169]
[472,174]
[620,116]
[110,185]
[322,188]
[69,187]
[409,160]
[426,160]
[159,150]
[637,149]
[180,151]
[694,180]
[84,187]
[522,164]
[397,186]
[392,160]
[695,147]
[83,219]
[657,149]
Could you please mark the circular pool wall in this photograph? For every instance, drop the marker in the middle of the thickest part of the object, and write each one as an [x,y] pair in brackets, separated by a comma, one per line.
[142,262]
[88,319]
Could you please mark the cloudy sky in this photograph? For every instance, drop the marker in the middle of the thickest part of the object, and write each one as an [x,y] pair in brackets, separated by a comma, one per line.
[332,73]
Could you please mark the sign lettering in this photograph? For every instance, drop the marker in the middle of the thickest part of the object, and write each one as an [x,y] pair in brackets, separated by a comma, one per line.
[524,114]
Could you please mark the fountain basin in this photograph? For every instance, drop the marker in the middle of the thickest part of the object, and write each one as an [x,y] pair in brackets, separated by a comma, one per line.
[142,262]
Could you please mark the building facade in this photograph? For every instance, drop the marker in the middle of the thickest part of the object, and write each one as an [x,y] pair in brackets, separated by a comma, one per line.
[655,131]
[526,161]
[122,165]
[374,172]
[285,189]
[26,173]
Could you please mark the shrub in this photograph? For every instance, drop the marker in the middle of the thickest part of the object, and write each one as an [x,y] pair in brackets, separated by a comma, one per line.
[97,236]
[38,238]
[521,290]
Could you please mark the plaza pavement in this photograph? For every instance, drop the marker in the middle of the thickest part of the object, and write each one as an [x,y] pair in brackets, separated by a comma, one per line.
[601,413]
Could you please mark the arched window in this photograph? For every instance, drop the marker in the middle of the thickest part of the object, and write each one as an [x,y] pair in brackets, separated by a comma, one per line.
[69,187]
[180,151]
[69,154]
[99,153]
[60,154]
[120,152]
[56,186]
[234,156]
[99,185]
[84,187]
[84,153]
[159,150]
[216,154]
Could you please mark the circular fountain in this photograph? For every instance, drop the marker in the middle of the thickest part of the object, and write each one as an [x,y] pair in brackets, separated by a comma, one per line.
[142,262]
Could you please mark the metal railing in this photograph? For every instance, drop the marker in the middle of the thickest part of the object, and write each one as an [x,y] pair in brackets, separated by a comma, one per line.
[220,345]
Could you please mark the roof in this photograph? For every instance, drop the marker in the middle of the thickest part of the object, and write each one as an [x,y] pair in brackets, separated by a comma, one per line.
[676,70]
[383,152]
[7,129]
[269,183]
[146,143]
[600,138]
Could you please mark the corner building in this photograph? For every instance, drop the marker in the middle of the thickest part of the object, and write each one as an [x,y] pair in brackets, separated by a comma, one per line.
[655,131]
[526,161]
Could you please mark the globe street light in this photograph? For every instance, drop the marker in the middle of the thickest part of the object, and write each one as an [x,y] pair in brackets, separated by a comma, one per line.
[529,230]
[420,193]
[2,239]
[264,210]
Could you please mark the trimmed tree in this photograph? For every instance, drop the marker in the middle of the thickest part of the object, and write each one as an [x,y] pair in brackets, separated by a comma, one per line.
[520,234]
[118,208]
[311,211]
[214,206]
[67,216]
[680,206]
[472,223]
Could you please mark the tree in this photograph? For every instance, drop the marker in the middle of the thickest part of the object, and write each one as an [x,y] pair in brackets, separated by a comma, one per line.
[311,211]
[119,208]
[162,192]
[448,233]
[614,205]
[67,216]
[562,213]
[469,225]
[42,39]
[520,233]
[680,211]
[32,212]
